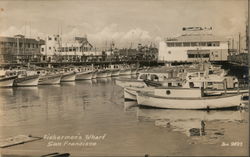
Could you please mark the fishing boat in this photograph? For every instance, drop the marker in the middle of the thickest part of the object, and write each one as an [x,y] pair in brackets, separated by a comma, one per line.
[7,78]
[84,75]
[128,82]
[101,74]
[177,98]
[140,80]
[49,79]
[26,78]
[68,76]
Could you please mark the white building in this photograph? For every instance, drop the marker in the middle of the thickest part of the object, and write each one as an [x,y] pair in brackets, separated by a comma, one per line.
[193,47]
[69,50]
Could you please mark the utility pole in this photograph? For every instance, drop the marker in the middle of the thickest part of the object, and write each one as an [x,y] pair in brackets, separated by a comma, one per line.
[239,42]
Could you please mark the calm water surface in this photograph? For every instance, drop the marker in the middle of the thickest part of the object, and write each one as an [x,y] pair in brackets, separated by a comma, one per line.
[96,108]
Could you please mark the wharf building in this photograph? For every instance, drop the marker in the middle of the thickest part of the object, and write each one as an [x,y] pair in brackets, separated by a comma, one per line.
[199,45]
[19,49]
[77,50]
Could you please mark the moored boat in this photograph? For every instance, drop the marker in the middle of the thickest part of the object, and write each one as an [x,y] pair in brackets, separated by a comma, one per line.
[26,79]
[7,78]
[128,82]
[85,75]
[179,99]
[50,79]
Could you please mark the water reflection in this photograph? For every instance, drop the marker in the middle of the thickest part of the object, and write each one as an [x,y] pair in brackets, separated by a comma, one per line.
[129,105]
[68,83]
[193,123]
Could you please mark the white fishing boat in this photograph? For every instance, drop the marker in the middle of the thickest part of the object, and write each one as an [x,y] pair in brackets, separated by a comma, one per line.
[115,72]
[49,79]
[26,78]
[187,98]
[84,75]
[101,74]
[7,78]
[128,82]
[68,76]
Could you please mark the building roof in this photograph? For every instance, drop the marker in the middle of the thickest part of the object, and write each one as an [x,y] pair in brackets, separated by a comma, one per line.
[196,38]
[26,40]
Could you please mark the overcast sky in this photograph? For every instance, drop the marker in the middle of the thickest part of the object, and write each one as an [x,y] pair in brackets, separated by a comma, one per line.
[123,21]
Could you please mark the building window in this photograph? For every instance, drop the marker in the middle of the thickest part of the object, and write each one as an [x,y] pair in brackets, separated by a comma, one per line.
[49,48]
[186,44]
[70,49]
[49,38]
[191,56]
[209,44]
[194,44]
[203,44]
[179,44]
[216,43]
[42,49]
[170,44]
[55,39]
[169,52]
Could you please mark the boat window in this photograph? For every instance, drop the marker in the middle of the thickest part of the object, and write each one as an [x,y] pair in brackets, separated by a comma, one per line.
[209,83]
[191,84]
[168,92]
[154,77]
[143,76]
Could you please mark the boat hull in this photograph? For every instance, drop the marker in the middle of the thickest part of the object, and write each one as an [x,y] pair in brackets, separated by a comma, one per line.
[84,76]
[8,81]
[115,73]
[130,92]
[68,77]
[101,74]
[27,81]
[50,80]
[218,102]
[125,72]
[130,83]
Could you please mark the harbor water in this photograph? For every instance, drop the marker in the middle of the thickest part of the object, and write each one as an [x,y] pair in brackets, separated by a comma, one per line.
[90,118]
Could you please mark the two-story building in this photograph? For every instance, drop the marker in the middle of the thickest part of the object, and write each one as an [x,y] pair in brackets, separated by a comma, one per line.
[193,47]
[19,49]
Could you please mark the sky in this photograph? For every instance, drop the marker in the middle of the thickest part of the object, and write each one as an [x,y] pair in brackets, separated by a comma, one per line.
[126,22]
